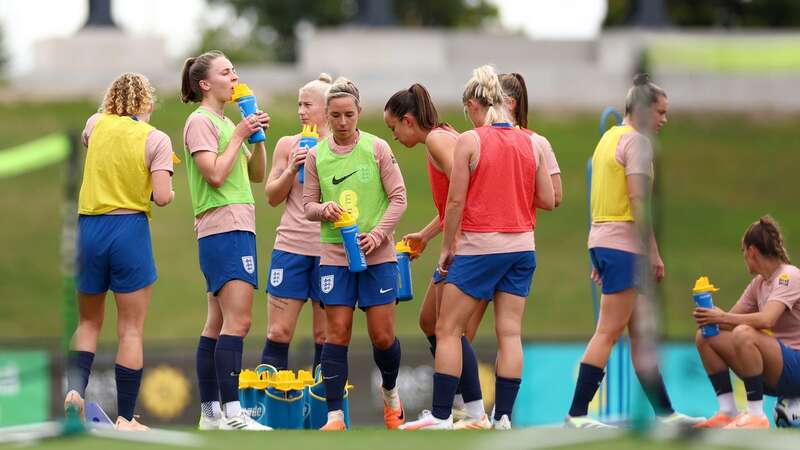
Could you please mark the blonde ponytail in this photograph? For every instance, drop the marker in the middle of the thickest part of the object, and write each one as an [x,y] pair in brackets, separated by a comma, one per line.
[485,87]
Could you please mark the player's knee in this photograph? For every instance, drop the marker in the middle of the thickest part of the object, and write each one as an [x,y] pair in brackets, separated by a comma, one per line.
[338,335]
[279,333]
[699,340]
[129,333]
[211,331]
[511,333]
[244,325]
[382,340]
[91,325]
[609,336]
[212,327]
[319,335]
[446,328]
[509,343]
[238,326]
[743,335]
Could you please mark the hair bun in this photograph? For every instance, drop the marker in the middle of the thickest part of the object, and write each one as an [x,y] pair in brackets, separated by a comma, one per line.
[342,81]
[641,79]
[325,78]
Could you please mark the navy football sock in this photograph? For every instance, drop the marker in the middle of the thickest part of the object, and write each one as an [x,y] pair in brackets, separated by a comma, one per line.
[206,371]
[388,362]
[228,362]
[276,354]
[334,374]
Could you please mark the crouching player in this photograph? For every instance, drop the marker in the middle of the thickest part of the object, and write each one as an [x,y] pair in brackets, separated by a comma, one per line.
[759,337]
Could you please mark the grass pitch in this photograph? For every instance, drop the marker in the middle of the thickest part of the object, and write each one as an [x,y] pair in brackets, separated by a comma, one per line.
[717,173]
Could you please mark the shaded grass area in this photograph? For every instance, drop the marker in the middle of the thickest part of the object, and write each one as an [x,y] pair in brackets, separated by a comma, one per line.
[716,175]
[368,439]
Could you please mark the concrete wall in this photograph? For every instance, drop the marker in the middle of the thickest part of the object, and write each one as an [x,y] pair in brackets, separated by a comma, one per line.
[561,75]
[90,59]
[382,63]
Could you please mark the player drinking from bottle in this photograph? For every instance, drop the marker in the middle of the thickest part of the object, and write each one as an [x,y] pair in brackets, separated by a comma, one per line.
[220,168]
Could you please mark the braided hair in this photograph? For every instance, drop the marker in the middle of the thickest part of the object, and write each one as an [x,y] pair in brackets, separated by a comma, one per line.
[485,87]
[765,235]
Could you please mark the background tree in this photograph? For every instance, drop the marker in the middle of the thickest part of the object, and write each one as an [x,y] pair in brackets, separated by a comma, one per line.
[444,13]
[245,45]
[715,13]
[280,18]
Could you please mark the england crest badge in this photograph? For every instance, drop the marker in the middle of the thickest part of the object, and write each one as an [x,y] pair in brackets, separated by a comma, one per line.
[326,284]
[249,264]
[276,277]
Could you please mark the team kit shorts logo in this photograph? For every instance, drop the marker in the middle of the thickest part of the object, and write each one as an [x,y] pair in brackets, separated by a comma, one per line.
[276,277]
[249,264]
[326,284]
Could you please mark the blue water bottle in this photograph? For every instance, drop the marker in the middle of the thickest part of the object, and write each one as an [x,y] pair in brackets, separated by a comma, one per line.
[308,139]
[405,290]
[244,97]
[356,261]
[701,294]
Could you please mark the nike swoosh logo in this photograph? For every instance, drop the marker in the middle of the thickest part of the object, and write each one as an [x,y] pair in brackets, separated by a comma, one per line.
[383,291]
[339,180]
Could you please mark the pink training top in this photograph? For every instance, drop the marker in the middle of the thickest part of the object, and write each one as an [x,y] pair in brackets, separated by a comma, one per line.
[296,234]
[439,181]
[544,146]
[546,149]
[635,153]
[201,135]
[383,233]
[782,286]
[490,243]
[157,152]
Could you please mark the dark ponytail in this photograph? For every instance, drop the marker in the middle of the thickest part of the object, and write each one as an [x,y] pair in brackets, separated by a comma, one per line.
[416,101]
[514,87]
[194,70]
[765,235]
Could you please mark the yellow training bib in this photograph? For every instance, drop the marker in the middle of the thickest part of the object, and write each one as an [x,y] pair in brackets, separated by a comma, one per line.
[115,175]
[610,201]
